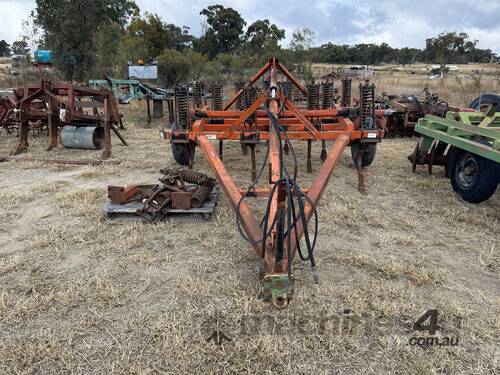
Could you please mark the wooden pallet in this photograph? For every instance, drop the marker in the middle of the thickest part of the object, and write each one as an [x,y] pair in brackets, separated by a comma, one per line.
[127,212]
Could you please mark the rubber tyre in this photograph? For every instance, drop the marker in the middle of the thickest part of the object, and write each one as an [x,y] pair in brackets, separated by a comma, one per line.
[485,100]
[369,155]
[181,152]
[481,185]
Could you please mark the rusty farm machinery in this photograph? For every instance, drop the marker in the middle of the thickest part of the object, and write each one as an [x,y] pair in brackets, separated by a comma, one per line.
[80,116]
[467,144]
[7,114]
[268,115]
[408,109]
[181,191]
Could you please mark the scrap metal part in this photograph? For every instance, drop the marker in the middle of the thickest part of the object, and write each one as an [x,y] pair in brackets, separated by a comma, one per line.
[179,189]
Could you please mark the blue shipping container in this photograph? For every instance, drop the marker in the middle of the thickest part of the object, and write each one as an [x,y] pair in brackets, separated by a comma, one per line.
[44,57]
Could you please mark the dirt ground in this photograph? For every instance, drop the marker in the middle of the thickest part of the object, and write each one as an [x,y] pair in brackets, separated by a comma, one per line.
[81,294]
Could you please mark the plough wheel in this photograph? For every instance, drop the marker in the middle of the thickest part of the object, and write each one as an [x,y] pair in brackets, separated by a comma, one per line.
[369,151]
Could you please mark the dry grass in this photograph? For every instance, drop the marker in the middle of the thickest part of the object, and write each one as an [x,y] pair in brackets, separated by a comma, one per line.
[80,203]
[13,199]
[459,87]
[49,187]
[79,294]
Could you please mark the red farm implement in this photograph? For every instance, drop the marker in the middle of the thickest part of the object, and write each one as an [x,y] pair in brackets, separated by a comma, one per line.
[270,116]
[93,113]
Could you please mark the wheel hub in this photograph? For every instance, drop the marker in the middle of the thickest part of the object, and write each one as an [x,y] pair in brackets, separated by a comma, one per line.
[467,171]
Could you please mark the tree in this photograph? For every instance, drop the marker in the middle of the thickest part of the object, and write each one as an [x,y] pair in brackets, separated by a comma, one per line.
[149,33]
[106,44]
[20,47]
[70,26]
[447,46]
[197,64]
[384,53]
[181,37]
[302,40]
[151,36]
[4,49]
[31,34]
[408,55]
[480,55]
[261,36]
[173,68]
[329,53]
[223,30]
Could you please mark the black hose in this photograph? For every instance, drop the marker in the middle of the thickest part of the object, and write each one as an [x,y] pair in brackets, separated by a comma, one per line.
[291,215]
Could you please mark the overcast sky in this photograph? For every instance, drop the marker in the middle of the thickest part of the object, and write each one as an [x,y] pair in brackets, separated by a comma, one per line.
[400,23]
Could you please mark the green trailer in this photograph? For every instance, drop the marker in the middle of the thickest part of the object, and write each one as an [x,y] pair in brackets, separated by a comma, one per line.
[467,144]
[126,90]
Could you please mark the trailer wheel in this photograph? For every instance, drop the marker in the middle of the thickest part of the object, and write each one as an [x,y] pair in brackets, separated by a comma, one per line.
[473,177]
[370,149]
[486,99]
[183,153]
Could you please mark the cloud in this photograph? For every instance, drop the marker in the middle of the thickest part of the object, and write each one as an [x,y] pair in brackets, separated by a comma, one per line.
[399,23]
[12,13]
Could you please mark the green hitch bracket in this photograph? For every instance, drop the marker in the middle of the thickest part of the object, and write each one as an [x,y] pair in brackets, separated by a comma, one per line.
[279,289]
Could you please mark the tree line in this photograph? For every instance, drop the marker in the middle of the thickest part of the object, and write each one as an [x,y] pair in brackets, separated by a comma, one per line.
[95,37]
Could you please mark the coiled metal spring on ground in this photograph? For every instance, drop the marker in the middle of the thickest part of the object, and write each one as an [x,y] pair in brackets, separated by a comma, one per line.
[188,175]
[202,193]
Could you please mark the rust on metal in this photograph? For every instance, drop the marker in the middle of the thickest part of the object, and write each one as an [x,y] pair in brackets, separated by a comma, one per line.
[179,189]
[56,104]
[275,118]
[182,200]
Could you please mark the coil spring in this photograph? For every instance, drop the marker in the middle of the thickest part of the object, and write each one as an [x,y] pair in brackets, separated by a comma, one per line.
[217,96]
[297,95]
[250,98]
[312,96]
[327,94]
[181,105]
[240,102]
[289,89]
[197,93]
[367,105]
[187,175]
[202,193]
[346,92]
